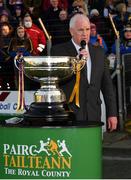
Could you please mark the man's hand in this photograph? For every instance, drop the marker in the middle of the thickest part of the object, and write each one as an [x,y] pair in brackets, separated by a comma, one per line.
[84,53]
[112,123]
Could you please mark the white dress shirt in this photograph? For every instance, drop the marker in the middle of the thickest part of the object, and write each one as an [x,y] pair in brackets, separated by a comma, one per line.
[88,62]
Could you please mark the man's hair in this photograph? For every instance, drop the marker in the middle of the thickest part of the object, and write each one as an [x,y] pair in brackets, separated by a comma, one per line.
[75,18]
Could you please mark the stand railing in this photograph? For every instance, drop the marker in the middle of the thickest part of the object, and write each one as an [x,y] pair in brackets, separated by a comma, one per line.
[117,73]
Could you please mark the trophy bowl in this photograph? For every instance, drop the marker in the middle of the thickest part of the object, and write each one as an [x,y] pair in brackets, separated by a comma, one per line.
[48,68]
[48,71]
[50,101]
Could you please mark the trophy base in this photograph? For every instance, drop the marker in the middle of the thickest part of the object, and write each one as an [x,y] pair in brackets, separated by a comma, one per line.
[48,114]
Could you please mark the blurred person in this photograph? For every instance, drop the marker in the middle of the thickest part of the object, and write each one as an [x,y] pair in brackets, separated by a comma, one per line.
[51,16]
[22,45]
[109,8]
[116,2]
[97,19]
[108,33]
[101,24]
[6,33]
[97,4]
[96,39]
[63,15]
[80,6]
[2,7]
[94,12]
[33,7]
[36,35]
[1,63]
[63,4]
[129,6]
[11,5]
[102,21]
[95,75]
[122,17]
[125,44]
[52,13]
[32,3]
[18,15]
[4,16]
[60,32]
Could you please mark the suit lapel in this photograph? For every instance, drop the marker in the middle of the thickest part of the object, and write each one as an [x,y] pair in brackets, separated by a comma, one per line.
[71,49]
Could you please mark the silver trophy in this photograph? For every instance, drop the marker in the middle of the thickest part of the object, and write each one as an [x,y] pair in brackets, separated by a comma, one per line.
[48,71]
[50,104]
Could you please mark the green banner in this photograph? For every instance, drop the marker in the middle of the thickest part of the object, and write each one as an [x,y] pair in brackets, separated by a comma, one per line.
[50,153]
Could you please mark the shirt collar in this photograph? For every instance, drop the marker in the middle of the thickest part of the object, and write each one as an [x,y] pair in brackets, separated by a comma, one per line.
[78,47]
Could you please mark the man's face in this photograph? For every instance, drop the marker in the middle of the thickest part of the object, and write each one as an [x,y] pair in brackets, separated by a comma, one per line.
[21,33]
[80,31]
[63,15]
[4,18]
[18,12]
[5,30]
[127,34]
[27,22]
[54,3]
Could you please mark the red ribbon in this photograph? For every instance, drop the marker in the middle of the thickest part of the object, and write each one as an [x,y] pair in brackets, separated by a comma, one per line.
[21,96]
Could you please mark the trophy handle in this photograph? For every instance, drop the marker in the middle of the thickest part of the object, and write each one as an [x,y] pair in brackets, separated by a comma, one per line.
[17,60]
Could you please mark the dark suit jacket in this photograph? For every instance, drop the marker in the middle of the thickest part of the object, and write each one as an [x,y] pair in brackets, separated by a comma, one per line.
[90,103]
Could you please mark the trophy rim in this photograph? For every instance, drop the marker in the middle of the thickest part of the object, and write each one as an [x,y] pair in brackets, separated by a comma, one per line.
[49,56]
[50,60]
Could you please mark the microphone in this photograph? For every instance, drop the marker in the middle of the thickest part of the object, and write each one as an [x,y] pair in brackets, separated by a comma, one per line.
[83,45]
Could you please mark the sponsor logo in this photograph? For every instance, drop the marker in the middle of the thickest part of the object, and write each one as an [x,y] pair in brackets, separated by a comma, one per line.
[48,158]
[8,101]
[4,95]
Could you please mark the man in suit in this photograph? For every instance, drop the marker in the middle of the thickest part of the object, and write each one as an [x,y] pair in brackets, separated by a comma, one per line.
[94,77]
